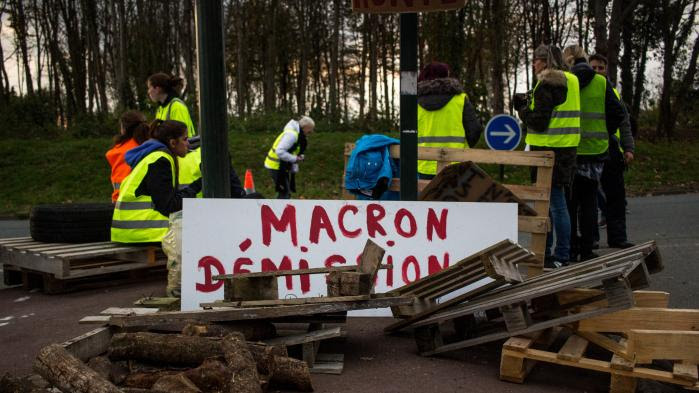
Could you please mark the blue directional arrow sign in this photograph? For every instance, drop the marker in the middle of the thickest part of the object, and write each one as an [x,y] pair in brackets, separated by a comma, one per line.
[503,133]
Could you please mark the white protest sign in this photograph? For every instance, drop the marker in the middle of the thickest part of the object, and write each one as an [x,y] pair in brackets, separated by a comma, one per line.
[228,236]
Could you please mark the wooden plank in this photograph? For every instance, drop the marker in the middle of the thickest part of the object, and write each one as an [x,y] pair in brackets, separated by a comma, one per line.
[234,314]
[370,260]
[685,371]
[162,303]
[665,344]
[90,344]
[286,302]
[57,248]
[95,319]
[529,193]
[128,311]
[482,156]
[599,365]
[7,240]
[328,363]
[608,344]
[307,337]
[622,384]
[112,269]
[644,319]
[315,270]
[573,349]
[100,252]
[619,363]
[57,267]
[532,224]
[646,299]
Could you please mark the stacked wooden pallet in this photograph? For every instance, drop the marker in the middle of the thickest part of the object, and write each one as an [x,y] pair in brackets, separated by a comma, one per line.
[60,266]
[634,341]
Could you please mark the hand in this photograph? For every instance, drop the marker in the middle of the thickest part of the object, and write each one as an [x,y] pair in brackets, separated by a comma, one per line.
[299,158]
[628,157]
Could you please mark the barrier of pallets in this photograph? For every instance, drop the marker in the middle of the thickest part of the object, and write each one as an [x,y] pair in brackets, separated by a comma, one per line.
[537,193]
[59,263]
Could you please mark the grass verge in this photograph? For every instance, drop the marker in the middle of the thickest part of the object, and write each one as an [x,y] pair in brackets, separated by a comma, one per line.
[37,171]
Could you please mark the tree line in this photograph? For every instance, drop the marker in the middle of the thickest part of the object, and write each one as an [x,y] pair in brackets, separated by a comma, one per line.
[87,57]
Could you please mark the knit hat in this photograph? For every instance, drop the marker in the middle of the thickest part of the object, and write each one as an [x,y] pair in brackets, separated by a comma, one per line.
[433,70]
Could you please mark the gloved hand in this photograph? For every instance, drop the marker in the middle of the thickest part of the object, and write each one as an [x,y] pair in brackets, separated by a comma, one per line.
[519,101]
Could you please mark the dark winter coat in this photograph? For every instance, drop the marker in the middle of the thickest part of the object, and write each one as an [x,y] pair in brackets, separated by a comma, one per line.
[552,91]
[434,94]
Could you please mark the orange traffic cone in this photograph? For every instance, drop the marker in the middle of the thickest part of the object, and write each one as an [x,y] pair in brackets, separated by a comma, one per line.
[249,183]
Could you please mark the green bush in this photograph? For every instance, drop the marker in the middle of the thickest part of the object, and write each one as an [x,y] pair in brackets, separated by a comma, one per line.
[28,116]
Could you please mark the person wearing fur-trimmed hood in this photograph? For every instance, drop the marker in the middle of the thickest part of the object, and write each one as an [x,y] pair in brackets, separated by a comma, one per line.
[551,115]
[445,115]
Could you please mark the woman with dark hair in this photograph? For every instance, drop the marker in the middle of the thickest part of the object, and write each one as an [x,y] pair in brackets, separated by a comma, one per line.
[150,193]
[165,90]
[133,131]
[445,116]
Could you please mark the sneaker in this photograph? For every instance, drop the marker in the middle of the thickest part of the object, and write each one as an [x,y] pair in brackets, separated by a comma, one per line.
[551,263]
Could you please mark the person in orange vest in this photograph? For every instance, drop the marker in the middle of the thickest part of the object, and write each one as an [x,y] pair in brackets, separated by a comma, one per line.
[133,131]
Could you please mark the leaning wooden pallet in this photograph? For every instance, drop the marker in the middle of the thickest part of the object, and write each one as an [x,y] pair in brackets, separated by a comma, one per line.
[532,305]
[499,262]
[63,263]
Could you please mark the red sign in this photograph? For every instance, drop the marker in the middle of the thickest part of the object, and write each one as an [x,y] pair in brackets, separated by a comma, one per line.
[387,6]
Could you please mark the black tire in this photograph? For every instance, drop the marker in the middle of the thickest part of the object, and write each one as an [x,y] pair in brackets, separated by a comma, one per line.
[71,223]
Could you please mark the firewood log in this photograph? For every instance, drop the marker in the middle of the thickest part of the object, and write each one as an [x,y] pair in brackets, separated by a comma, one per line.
[68,373]
[292,373]
[245,378]
[178,383]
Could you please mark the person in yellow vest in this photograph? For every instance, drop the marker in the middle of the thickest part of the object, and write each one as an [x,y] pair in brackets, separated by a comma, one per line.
[445,116]
[164,90]
[133,131]
[601,115]
[551,114]
[621,153]
[149,194]
[286,153]
[190,171]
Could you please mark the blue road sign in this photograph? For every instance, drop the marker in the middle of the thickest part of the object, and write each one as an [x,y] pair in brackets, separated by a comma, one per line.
[503,133]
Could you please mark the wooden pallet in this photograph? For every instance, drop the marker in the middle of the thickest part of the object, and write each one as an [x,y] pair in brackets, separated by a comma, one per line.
[520,354]
[533,304]
[55,265]
[499,262]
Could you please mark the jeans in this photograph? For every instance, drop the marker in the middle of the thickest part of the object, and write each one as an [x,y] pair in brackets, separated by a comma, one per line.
[558,212]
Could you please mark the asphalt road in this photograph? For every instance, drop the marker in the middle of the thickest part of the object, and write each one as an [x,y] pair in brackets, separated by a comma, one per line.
[29,320]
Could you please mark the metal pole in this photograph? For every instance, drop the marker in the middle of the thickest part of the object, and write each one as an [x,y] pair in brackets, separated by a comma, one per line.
[408,107]
[213,116]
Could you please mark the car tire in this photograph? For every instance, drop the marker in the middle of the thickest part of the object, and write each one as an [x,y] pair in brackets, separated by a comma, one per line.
[71,222]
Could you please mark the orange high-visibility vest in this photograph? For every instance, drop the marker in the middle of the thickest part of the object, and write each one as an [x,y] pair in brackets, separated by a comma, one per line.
[120,169]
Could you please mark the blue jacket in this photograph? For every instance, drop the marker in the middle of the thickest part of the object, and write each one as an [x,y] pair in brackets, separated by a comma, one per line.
[369,163]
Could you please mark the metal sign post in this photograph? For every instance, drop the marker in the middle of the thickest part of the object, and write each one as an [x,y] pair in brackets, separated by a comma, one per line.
[213,116]
[408,107]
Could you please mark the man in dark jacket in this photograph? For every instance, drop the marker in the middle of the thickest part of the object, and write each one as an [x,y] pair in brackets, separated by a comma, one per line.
[621,153]
[602,113]
[446,117]
[551,114]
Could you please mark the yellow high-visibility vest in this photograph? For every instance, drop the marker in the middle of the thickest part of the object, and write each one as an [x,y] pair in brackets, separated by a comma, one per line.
[189,168]
[272,159]
[441,128]
[176,109]
[594,138]
[135,219]
[564,127]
